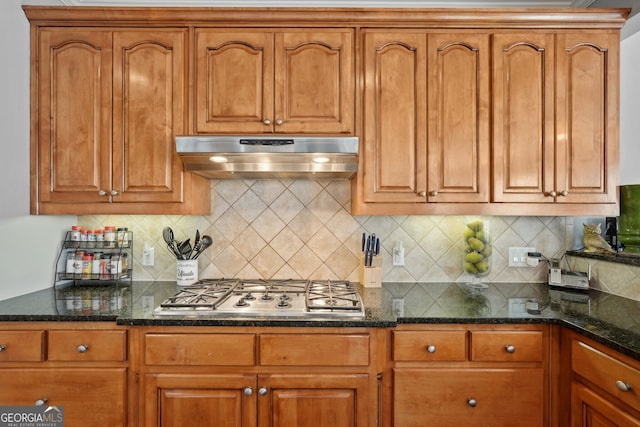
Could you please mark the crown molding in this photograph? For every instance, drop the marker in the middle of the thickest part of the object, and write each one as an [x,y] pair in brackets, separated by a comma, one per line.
[337,3]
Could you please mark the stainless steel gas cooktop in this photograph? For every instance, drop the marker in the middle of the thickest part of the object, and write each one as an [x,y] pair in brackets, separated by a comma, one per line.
[306,299]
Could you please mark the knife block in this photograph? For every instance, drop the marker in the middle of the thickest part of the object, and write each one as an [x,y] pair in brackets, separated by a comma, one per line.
[371,277]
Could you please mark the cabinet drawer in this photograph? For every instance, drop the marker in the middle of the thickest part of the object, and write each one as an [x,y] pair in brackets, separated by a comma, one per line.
[21,346]
[446,397]
[506,346]
[90,397]
[314,349]
[87,346]
[429,345]
[199,349]
[609,374]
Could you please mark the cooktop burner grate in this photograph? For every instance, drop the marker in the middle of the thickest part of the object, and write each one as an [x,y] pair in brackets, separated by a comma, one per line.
[289,298]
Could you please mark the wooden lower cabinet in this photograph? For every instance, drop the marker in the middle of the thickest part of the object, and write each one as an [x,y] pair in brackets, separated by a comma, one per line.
[468,375]
[468,397]
[278,400]
[602,384]
[89,396]
[258,377]
[82,367]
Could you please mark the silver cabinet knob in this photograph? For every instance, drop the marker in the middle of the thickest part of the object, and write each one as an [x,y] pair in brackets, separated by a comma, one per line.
[114,192]
[510,348]
[102,193]
[622,386]
[422,194]
[262,391]
[552,194]
[41,402]
[248,391]
[3,347]
[279,122]
[472,402]
[434,193]
[82,348]
[564,193]
[266,122]
[431,348]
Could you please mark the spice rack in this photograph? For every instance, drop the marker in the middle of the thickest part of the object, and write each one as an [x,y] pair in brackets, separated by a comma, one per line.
[96,285]
[90,263]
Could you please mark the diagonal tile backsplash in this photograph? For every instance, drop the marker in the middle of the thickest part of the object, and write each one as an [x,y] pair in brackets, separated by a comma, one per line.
[304,229]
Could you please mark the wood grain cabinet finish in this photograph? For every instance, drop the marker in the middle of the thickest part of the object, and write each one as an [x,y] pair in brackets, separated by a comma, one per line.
[22,346]
[82,368]
[469,375]
[426,112]
[604,385]
[266,378]
[106,107]
[281,81]
[555,102]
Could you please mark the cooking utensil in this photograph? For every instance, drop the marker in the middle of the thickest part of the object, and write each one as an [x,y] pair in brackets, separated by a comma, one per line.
[185,249]
[167,235]
[205,242]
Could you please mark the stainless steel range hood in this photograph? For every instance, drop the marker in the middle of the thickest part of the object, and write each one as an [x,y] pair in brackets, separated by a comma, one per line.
[269,156]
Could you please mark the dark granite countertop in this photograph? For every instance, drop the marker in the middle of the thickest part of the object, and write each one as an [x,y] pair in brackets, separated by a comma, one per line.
[606,318]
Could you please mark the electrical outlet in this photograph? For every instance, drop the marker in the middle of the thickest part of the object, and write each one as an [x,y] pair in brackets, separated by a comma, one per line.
[397,306]
[148,257]
[398,255]
[518,256]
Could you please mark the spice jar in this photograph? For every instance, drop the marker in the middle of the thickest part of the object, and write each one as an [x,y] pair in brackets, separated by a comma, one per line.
[109,236]
[99,238]
[123,237]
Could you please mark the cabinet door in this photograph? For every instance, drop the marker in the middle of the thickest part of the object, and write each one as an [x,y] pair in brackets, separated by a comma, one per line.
[74,116]
[587,117]
[458,117]
[149,96]
[523,128]
[394,107]
[234,81]
[313,400]
[90,397]
[314,81]
[175,400]
[588,409]
[469,397]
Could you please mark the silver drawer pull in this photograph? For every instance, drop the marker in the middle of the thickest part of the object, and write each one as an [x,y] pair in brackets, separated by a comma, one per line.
[3,347]
[41,402]
[262,391]
[82,348]
[248,391]
[431,348]
[510,348]
[622,386]
[472,402]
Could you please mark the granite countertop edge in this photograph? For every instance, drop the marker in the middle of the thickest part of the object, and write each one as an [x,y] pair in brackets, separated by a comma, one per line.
[596,325]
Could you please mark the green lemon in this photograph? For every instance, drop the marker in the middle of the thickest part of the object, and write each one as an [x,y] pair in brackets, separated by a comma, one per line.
[476,244]
[468,233]
[473,257]
[486,252]
[482,266]
[477,225]
[470,268]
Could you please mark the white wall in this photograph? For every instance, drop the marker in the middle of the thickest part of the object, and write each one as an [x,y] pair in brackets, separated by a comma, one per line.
[629,111]
[29,244]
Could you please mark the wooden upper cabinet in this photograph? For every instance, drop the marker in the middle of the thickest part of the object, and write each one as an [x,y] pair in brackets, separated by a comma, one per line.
[458,117]
[587,120]
[523,131]
[293,81]
[394,108]
[426,114]
[74,128]
[149,99]
[109,106]
[555,117]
